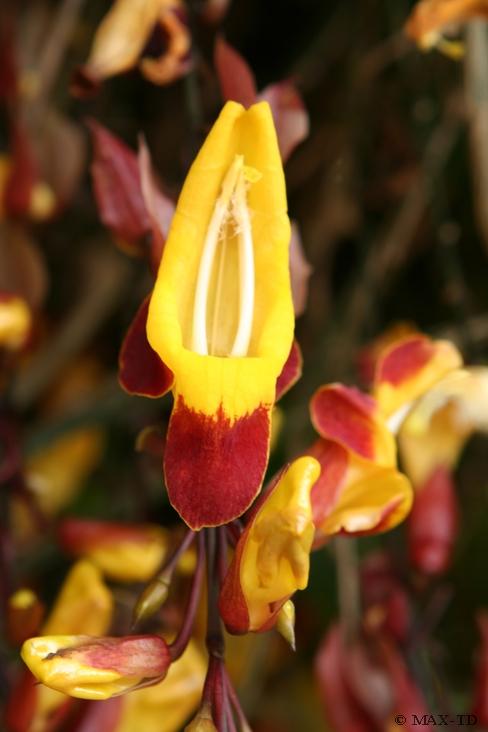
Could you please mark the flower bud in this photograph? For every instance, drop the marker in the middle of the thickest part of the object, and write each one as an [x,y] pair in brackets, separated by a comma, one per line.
[202,722]
[24,615]
[96,668]
[285,623]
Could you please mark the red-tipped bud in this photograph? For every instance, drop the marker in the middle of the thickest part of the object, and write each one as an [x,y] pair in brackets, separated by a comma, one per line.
[96,668]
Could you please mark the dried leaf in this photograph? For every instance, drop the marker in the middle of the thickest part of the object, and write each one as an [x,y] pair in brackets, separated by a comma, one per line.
[289,113]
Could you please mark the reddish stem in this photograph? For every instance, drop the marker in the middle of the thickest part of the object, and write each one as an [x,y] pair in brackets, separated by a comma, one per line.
[236,704]
[181,641]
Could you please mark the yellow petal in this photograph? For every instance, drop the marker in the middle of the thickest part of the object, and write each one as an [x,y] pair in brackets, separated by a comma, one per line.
[237,384]
[275,560]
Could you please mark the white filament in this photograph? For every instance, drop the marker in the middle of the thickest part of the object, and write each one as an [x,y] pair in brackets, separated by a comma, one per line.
[246,272]
[232,201]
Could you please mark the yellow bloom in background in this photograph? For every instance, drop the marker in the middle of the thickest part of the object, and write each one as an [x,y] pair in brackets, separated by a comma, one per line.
[122,36]
[55,473]
[15,321]
[438,426]
[122,551]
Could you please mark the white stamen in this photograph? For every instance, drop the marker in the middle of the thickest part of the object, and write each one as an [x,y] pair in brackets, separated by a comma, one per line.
[232,203]
[246,271]
[199,335]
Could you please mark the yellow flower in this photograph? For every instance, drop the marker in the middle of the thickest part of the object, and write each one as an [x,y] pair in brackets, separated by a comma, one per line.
[271,560]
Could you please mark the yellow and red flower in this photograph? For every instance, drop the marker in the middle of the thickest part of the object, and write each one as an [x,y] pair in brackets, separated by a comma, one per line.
[221,317]
[434,405]
[360,489]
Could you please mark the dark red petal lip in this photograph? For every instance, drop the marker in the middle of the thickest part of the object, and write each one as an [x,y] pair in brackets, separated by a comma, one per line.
[214,467]
[291,371]
[141,370]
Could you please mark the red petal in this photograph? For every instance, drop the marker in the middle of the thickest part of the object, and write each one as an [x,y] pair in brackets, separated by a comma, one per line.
[117,187]
[404,360]
[289,114]
[291,372]
[145,656]
[213,467]
[433,523]
[345,415]
[236,79]
[232,603]
[141,371]
[333,463]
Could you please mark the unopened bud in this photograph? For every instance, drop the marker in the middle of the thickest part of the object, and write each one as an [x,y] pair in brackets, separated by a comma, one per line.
[203,721]
[285,624]
[96,668]
[24,615]
[152,598]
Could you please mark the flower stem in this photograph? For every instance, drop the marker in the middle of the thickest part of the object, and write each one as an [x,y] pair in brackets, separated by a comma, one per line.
[181,641]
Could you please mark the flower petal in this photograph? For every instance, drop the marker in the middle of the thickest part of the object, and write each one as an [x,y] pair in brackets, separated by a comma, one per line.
[409,368]
[141,370]
[369,499]
[214,466]
[117,189]
[291,372]
[347,416]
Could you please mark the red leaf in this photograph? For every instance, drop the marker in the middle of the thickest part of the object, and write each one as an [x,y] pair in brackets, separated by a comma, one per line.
[141,371]
[236,79]
[117,187]
[289,114]
[159,207]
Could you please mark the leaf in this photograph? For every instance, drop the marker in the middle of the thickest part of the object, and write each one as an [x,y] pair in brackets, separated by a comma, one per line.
[117,188]
[236,79]
[160,208]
